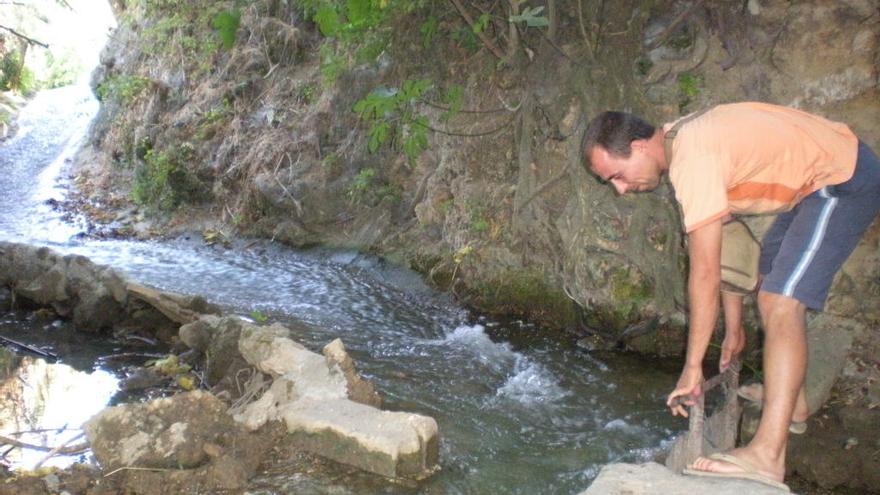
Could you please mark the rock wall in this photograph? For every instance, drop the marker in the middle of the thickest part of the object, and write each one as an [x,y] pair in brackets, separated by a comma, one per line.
[498,209]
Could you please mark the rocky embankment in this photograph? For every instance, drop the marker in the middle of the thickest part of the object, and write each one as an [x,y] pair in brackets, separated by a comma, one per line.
[260,389]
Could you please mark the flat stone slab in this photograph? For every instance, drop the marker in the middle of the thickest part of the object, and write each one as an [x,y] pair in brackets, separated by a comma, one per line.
[393,444]
[653,479]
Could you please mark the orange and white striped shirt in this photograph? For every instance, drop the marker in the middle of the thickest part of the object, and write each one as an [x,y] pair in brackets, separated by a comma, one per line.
[755,158]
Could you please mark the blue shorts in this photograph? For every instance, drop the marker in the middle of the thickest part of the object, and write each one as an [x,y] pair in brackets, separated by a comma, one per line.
[805,247]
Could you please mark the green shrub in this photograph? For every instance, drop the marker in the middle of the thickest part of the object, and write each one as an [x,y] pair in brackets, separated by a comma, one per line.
[391,114]
[122,87]
[14,76]
[226,23]
[164,182]
[689,86]
[361,183]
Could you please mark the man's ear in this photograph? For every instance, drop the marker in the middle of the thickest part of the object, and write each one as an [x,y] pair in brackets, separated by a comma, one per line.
[639,144]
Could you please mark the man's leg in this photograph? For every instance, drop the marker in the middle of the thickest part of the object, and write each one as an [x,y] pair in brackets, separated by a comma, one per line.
[823,231]
[785,364]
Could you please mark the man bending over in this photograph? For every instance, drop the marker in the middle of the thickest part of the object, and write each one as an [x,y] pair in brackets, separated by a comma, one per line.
[752,158]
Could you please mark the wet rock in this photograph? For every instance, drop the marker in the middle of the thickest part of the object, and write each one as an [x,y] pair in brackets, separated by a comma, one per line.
[223,359]
[652,478]
[168,433]
[359,390]
[176,307]
[74,286]
[95,297]
[140,379]
[197,334]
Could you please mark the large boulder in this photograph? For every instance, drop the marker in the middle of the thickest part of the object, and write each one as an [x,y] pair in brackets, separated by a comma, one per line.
[175,432]
[93,296]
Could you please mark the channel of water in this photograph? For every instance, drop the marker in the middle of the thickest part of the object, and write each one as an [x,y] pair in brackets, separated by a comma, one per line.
[520,410]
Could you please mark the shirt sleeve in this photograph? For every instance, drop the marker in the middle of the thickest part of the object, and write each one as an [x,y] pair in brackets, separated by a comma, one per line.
[699,183]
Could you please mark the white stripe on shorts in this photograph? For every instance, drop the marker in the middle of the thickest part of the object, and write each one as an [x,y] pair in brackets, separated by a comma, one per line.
[815,241]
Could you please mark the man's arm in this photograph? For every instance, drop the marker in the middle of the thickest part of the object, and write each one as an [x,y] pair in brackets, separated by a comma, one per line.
[704,282]
[734,333]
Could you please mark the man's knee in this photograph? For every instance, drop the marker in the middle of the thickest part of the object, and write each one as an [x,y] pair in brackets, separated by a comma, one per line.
[775,306]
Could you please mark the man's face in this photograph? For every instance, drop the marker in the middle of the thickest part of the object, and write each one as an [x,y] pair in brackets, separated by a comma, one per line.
[639,172]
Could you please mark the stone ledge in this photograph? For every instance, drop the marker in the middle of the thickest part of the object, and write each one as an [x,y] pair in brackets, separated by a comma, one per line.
[652,478]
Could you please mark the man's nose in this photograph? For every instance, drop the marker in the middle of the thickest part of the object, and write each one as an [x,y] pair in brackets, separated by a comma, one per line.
[620,186]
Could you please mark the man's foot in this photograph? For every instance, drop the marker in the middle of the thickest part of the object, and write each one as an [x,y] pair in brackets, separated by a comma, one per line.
[740,464]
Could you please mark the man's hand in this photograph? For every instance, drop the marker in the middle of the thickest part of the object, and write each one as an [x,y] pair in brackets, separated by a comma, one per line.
[690,384]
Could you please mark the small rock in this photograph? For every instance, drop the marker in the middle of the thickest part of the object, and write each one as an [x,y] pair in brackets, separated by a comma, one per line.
[850,443]
[140,379]
[197,335]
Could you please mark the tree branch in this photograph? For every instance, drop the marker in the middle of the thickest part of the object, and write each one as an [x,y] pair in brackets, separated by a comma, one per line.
[674,24]
[29,40]
[485,39]
[76,449]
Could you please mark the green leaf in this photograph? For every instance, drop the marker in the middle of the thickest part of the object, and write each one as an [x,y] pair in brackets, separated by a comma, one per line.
[357,10]
[531,17]
[378,134]
[429,30]
[327,20]
[453,99]
[481,23]
[226,23]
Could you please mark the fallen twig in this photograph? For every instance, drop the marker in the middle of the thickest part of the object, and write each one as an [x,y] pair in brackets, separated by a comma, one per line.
[132,468]
[76,449]
[43,430]
[129,355]
[57,450]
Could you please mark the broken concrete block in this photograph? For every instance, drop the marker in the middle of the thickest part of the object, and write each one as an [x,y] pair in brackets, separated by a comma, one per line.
[393,444]
[359,390]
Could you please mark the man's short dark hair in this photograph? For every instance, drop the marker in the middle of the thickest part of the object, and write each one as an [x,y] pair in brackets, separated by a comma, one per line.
[615,131]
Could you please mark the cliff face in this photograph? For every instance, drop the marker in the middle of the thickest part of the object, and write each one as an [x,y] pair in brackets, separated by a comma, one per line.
[479,182]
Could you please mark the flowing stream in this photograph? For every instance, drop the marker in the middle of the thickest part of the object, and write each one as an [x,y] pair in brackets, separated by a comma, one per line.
[520,411]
